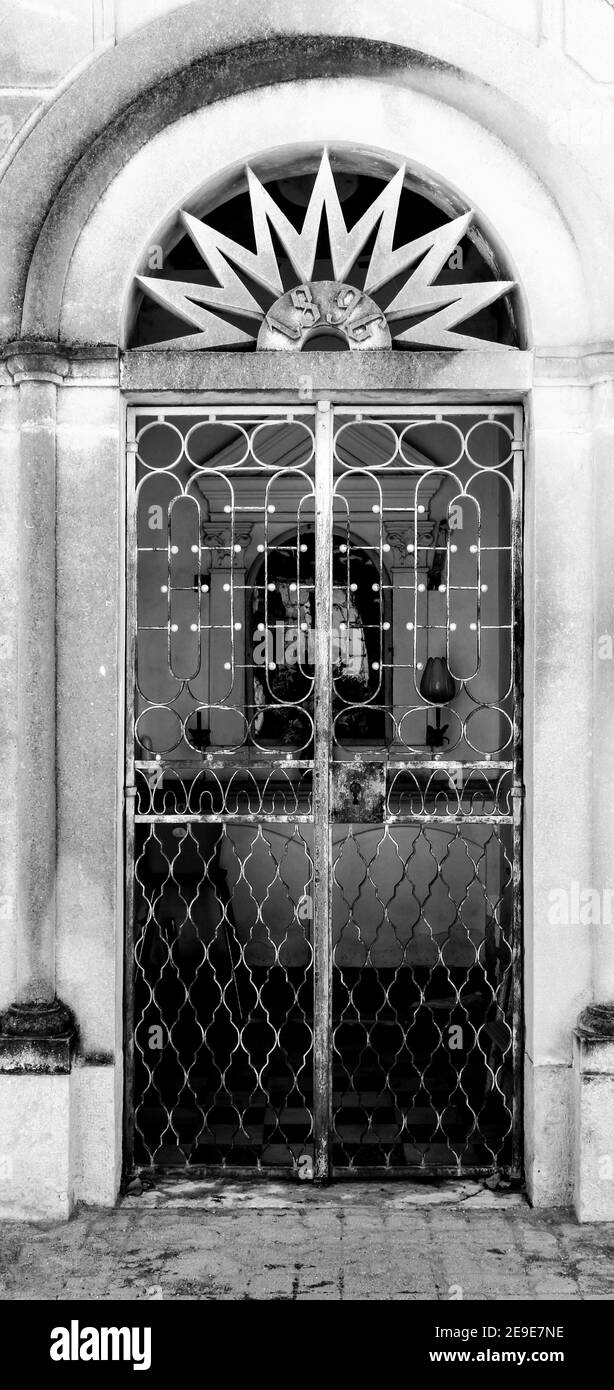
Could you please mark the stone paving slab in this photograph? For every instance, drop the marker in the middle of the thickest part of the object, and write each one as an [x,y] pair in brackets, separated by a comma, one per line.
[214,1240]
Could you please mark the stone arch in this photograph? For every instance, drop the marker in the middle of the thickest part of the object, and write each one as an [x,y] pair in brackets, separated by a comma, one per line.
[86,300]
[176,70]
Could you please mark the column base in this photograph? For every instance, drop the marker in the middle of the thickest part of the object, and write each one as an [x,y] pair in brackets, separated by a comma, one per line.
[38,1038]
[35,1158]
[37,1043]
[548,1161]
[593,1092]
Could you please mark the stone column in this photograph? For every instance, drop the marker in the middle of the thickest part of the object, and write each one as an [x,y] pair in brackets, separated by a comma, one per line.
[36,1025]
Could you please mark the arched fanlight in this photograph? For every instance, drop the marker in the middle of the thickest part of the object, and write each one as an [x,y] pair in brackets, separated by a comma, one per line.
[395,301]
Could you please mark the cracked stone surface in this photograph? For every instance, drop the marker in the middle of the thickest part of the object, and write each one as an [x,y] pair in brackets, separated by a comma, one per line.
[222,1240]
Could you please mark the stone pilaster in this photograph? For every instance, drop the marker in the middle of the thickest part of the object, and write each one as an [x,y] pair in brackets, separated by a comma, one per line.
[36,1031]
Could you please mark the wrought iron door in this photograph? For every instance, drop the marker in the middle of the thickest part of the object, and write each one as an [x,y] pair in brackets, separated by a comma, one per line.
[324,790]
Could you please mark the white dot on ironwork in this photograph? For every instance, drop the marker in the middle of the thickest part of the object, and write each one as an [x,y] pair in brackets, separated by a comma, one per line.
[375,665]
[193,627]
[421,588]
[473,627]
[484,588]
[194,549]
[442,588]
[343,549]
[237,549]
[418,665]
[271,588]
[174,550]
[303,550]
[386,547]
[226,665]
[454,549]
[270,507]
[204,588]
[164,588]
[237,627]
[226,588]
[174,627]
[375,588]
[386,627]
[375,507]
[272,666]
[473,549]
[261,627]
[260,549]
[410,548]
[353,588]
[421,509]
[410,627]
[452,627]
[227,508]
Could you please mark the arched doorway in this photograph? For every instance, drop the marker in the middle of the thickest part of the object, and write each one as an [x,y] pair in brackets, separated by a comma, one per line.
[324,885]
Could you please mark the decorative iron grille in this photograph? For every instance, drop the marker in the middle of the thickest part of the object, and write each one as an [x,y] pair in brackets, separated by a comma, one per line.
[372,264]
[324,790]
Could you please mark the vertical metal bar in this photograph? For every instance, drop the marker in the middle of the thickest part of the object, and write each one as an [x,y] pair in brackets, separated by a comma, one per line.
[322,835]
[518,792]
[130,789]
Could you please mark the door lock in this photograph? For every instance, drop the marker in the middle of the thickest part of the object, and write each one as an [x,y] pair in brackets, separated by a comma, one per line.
[358,792]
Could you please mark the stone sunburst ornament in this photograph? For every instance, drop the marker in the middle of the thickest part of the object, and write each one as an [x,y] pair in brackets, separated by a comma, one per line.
[334,306]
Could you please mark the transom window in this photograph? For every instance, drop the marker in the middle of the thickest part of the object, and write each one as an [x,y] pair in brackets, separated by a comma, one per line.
[324,256]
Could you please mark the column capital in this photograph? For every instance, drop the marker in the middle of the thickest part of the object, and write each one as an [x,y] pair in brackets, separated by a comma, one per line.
[36,359]
[28,360]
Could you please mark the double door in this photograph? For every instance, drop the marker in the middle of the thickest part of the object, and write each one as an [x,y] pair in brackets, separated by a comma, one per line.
[324,790]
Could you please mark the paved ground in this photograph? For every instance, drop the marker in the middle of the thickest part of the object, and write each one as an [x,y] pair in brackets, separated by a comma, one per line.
[210,1240]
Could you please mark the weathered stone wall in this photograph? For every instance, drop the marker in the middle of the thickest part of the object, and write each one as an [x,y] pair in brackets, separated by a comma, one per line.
[112,117]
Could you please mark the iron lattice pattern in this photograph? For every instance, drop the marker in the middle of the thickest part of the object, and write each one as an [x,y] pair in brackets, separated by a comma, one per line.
[415,905]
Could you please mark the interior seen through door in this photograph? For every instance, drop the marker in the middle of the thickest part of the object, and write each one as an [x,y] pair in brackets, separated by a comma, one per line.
[421,735]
